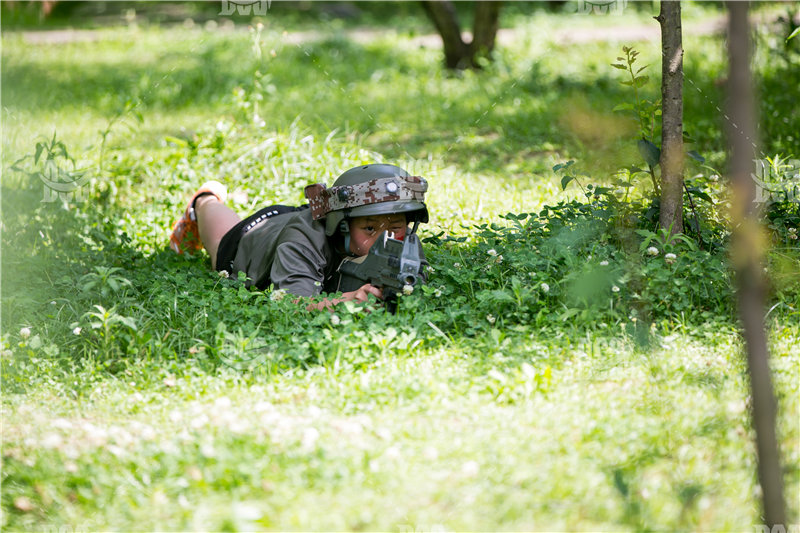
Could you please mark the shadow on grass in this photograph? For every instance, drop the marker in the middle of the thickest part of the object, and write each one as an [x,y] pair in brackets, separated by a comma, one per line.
[400,99]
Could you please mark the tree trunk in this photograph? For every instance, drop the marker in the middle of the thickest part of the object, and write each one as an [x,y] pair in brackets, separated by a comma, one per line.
[443,15]
[746,255]
[459,54]
[484,30]
[672,158]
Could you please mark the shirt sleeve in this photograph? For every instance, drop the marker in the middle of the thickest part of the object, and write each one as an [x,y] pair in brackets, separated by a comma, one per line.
[298,269]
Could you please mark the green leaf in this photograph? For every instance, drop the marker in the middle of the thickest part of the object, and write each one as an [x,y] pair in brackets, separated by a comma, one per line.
[559,166]
[16,164]
[793,34]
[175,141]
[39,148]
[565,181]
[619,66]
[650,152]
[623,107]
[697,157]
[700,193]
[128,321]
[569,313]
[641,81]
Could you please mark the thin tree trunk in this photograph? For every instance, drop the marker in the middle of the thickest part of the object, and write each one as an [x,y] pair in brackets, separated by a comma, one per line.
[443,15]
[484,29]
[459,54]
[746,254]
[672,158]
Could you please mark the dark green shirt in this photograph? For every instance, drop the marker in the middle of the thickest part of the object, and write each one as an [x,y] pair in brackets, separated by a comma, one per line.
[290,251]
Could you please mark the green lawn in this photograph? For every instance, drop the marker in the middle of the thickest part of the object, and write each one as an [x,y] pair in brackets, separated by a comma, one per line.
[551,376]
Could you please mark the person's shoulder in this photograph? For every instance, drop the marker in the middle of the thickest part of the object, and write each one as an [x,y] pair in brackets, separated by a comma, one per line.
[304,220]
[301,226]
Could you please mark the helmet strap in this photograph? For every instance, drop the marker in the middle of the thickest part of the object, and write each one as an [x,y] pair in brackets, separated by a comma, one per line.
[414,227]
[344,229]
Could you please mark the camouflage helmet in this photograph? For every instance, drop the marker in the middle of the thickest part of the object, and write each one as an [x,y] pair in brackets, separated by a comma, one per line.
[376,189]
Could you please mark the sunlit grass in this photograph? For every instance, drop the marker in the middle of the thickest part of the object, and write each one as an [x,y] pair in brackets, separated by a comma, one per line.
[411,422]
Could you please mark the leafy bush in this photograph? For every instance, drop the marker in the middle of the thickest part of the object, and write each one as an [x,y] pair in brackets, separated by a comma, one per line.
[576,262]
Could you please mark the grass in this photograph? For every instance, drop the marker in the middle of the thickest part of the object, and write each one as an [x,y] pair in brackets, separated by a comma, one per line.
[142,391]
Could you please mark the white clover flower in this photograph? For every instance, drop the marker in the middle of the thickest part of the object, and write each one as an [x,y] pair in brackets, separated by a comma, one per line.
[470,468]
[53,302]
[77,330]
[224,274]
[490,318]
[545,287]
[25,333]
[258,121]
[652,251]
[604,263]
[430,269]
[670,258]
[335,320]
[456,265]
[792,230]
[408,289]
[437,292]
[614,289]
[492,252]
[277,295]
[499,259]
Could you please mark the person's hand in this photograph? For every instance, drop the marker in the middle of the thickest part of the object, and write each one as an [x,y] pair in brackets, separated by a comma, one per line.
[359,295]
